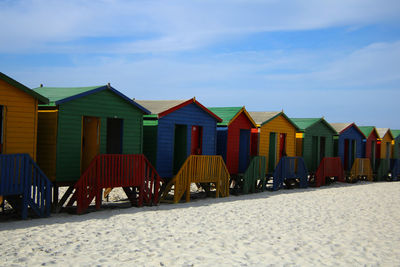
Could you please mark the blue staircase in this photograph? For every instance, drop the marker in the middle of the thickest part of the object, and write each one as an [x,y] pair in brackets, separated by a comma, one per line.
[24,185]
[290,168]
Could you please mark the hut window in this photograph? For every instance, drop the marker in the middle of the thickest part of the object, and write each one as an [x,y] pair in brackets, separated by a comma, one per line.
[1,128]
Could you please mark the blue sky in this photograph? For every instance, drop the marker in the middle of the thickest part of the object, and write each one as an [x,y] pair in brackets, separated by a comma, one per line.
[333,58]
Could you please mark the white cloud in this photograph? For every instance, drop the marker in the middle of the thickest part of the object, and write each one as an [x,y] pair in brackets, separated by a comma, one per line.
[42,26]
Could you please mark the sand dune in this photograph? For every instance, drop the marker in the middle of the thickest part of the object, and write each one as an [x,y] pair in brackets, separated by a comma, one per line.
[341,224]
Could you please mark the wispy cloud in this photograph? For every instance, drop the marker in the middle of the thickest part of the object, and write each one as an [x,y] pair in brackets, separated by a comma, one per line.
[55,26]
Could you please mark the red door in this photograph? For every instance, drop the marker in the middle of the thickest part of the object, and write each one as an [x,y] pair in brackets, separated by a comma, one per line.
[197,140]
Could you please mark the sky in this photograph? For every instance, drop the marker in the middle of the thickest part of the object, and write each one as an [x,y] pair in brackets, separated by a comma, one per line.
[334,59]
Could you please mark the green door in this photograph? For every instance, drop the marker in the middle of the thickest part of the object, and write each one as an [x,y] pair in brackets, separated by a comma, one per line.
[314,153]
[272,152]
[180,146]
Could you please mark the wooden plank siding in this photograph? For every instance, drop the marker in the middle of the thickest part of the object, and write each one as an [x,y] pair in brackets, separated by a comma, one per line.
[188,115]
[317,130]
[20,120]
[277,125]
[352,134]
[47,142]
[386,142]
[103,104]
[232,156]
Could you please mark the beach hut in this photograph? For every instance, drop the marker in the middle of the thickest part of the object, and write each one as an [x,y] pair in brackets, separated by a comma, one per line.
[19,173]
[370,144]
[176,129]
[385,152]
[314,140]
[348,143]
[396,144]
[18,117]
[277,137]
[233,137]
[82,122]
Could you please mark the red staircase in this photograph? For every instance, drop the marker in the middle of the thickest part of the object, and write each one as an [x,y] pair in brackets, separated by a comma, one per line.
[130,172]
[329,167]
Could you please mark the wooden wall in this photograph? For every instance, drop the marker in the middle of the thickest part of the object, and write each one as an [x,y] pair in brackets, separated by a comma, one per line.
[278,125]
[188,115]
[20,120]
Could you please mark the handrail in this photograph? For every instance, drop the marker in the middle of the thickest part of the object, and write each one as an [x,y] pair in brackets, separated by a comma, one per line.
[329,167]
[200,169]
[117,170]
[20,175]
[290,168]
[361,167]
[255,171]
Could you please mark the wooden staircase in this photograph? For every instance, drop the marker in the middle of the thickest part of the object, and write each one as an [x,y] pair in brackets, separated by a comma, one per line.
[199,169]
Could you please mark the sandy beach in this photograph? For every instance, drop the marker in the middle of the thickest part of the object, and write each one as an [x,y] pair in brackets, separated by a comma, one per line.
[342,224]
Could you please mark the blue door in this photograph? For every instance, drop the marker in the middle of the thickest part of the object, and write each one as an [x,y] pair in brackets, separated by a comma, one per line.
[244,150]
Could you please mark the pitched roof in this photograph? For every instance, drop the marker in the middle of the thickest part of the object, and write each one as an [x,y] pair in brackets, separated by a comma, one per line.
[396,133]
[304,123]
[340,127]
[11,81]
[263,117]
[60,95]
[367,130]
[383,131]
[161,108]
[229,114]
[260,116]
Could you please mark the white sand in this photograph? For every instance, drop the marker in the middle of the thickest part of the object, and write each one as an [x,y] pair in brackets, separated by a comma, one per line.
[341,224]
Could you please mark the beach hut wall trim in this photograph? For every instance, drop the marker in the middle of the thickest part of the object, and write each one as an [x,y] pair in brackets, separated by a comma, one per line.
[81,122]
[277,136]
[386,139]
[348,143]
[370,144]
[233,137]
[396,144]
[314,140]
[18,117]
[176,129]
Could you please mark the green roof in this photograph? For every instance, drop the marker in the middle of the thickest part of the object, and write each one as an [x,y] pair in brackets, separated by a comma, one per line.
[304,123]
[23,88]
[367,130]
[396,133]
[225,113]
[55,94]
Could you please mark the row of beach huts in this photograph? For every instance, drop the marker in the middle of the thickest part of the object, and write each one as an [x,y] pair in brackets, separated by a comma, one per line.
[88,140]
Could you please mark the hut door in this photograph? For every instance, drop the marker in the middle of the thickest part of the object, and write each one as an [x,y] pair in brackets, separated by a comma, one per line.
[180,146]
[322,143]
[90,140]
[272,152]
[254,141]
[282,145]
[114,136]
[244,150]
[373,154]
[352,152]
[346,154]
[197,140]
[314,155]
[388,144]
[1,129]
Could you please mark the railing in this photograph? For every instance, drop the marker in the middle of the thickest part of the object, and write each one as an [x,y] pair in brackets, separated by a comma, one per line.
[395,169]
[329,167]
[255,172]
[361,168]
[383,170]
[21,176]
[117,170]
[199,169]
[290,168]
